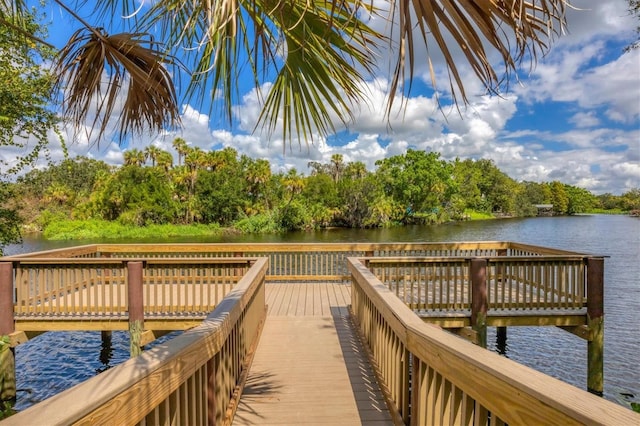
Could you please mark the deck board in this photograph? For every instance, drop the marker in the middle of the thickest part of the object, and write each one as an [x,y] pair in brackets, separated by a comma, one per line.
[310,367]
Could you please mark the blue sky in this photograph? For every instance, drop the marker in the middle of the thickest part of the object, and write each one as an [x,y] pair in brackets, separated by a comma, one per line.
[575,117]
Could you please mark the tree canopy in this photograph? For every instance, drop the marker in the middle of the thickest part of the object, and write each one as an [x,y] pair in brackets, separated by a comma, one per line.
[225,189]
[27,104]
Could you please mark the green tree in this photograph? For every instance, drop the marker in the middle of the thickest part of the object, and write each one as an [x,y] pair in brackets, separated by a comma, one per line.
[631,200]
[136,196]
[181,147]
[221,195]
[357,204]
[258,174]
[164,160]
[293,184]
[579,200]
[26,89]
[420,182]
[9,218]
[496,187]
[468,178]
[134,157]
[152,153]
[63,188]
[337,166]
[559,197]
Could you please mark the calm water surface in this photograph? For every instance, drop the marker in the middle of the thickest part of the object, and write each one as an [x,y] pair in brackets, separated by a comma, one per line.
[55,361]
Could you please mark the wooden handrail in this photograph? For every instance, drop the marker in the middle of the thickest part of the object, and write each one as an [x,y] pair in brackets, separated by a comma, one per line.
[100,249]
[454,380]
[188,379]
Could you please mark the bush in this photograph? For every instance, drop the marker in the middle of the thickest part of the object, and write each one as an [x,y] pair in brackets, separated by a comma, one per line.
[294,216]
[259,223]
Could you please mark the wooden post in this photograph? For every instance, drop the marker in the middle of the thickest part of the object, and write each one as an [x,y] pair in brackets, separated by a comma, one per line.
[595,322]
[479,303]
[7,326]
[136,307]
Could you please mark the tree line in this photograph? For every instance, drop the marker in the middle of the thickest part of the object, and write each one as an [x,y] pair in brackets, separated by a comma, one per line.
[224,188]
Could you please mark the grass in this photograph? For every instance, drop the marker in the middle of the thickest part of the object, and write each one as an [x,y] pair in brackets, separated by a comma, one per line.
[102,229]
[609,211]
[475,215]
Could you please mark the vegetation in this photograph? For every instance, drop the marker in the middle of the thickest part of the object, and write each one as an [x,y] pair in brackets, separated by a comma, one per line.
[26,93]
[26,117]
[206,192]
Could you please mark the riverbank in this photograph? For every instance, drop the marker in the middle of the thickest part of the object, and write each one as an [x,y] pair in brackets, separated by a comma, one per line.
[97,229]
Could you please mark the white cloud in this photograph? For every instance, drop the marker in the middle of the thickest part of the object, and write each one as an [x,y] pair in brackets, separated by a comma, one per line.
[585,119]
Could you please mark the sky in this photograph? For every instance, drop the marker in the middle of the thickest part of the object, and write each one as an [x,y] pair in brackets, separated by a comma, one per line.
[574,117]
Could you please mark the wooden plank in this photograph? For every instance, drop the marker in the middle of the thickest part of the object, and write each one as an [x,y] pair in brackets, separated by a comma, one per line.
[291,386]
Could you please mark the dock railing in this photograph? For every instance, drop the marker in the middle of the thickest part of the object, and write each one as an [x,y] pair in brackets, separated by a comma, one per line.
[300,261]
[444,284]
[67,287]
[192,379]
[430,376]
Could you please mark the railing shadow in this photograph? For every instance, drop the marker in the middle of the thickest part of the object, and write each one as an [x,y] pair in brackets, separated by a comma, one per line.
[366,390]
[257,386]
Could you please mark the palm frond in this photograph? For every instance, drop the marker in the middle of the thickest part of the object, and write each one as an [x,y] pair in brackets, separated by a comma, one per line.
[95,67]
[320,78]
[472,25]
[317,53]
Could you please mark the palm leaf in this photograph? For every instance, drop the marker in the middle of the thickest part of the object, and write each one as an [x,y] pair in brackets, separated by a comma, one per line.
[93,69]
[316,52]
[474,25]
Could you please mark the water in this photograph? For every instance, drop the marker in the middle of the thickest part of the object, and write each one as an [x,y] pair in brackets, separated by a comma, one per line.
[55,361]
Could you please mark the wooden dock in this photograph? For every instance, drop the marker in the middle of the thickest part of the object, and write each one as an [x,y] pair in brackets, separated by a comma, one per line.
[284,334]
[310,367]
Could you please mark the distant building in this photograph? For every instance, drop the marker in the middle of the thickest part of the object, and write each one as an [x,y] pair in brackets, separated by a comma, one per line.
[544,209]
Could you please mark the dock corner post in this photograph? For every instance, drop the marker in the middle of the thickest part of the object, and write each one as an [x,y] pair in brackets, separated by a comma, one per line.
[7,326]
[479,303]
[136,306]
[595,322]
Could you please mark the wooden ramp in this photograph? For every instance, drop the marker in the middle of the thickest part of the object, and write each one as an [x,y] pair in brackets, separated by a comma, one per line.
[310,368]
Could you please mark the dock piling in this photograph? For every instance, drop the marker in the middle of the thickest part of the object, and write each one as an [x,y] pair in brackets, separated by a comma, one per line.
[479,302]
[595,318]
[136,307]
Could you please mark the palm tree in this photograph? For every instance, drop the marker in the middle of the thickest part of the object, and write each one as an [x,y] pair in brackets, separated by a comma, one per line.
[152,152]
[134,157]
[337,166]
[319,53]
[164,160]
[293,184]
[180,145]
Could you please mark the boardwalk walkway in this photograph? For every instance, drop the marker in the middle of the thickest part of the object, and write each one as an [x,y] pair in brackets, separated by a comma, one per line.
[310,367]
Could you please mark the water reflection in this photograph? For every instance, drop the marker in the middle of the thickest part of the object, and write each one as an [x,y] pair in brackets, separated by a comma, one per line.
[106,352]
[501,341]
